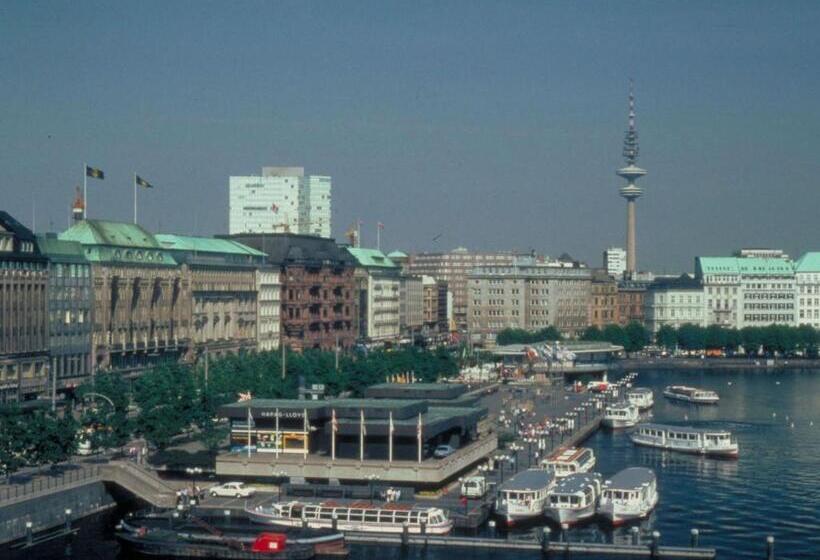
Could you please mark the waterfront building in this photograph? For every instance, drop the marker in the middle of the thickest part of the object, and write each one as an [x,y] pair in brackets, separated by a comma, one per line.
[436,298]
[400,259]
[631,192]
[615,262]
[70,308]
[453,268]
[318,290]
[268,304]
[281,199]
[24,371]
[630,301]
[603,299]
[142,298]
[807,283]
[222,275]
[748,291]
[379,287]
[529,295]
[411,309]
[673,302]
[391,439]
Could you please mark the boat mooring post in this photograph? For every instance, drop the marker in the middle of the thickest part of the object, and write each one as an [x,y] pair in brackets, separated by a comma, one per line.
[29,533]
[693,540]
[656,541]
[227,514]
[68,520]
[491,526]
[545,542]
[770,547]
[636,536]
[405,534]
[334,522]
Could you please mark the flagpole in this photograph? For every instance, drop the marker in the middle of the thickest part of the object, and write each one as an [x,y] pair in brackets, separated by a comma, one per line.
[85,191]
[278,440]
[249,430]
[135,198]
[379,236]
[390,441]
[358,233]
[361,434]
[307,431]
[418,435]
[333,428]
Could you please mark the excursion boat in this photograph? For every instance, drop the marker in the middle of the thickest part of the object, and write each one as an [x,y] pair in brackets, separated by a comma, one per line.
[194,536]
[700,441]
[524,496]
[631,494]
[691,394]
[642,397]
[359,516]
[574,498]
[621,415]
[564,462]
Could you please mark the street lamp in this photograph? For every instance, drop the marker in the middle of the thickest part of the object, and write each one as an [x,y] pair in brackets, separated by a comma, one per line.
[370,479]
[193,472]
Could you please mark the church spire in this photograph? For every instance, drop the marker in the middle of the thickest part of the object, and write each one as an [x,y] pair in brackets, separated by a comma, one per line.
[631,136]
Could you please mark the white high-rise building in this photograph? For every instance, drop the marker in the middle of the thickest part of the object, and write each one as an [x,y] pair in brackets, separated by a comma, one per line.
[615,261]
[281,199]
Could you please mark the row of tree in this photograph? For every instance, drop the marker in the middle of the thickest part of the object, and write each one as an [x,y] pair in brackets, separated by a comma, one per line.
[771,339]
[633,337]
[34,438]
[521,336]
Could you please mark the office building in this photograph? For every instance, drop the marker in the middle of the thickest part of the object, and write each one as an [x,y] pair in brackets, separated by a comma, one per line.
[379,288]
[615,262]
[807,283]
[411,310]
[436,301]
[630,301]
[603,300]
[673,302]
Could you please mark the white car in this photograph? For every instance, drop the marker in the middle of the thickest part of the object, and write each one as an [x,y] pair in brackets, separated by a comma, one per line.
[231,490]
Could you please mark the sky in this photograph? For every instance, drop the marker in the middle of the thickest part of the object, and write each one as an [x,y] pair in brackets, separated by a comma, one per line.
[489,125]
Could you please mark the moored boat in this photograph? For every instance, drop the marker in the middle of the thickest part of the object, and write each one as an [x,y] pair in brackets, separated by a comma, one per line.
[357,516]
[621,415]
[642,397]
[631,494]
[691,394]
[700,441]
[564,462]
[524,496]
[574,498]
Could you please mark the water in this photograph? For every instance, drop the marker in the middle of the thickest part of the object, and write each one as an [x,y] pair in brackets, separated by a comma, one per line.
[773,488]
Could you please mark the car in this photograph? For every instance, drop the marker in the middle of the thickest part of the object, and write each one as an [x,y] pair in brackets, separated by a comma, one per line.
[443,451]
[231,490]
[474,487]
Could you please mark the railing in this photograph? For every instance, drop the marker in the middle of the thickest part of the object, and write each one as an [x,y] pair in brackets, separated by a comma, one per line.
[46,483]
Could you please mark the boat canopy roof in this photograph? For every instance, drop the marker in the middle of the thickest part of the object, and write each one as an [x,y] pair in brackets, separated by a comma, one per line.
[631,478]
[683,429]
[575,483]
[639,391]
[569,455]
[532,480]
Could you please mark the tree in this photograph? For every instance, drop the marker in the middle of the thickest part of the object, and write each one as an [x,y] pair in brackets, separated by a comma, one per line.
[715,337]
[105,423]
[614,334]
[53,438]
[691,337]
[667,337]
[166,399]
[636,337]
[14,436]
[592,333]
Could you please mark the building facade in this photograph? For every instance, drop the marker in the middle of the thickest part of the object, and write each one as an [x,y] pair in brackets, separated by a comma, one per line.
[379,288]
[319,291]
[70,309]
[615,262]
[280,200]
[748,291]
[411,308]
[268,305]
[807,283]
[528,295]
[142,296]
[630,301]
[603,300]
[453,268]
[673,302]
[24,368]
[435,298]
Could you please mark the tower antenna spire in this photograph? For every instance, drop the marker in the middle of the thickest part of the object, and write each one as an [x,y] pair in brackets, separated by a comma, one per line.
[631,192]
[631,137]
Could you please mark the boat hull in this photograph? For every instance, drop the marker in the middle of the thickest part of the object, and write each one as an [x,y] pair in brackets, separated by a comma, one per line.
[617,515]
[618,423]
[568,516]
[691,400]
[150,547]
[348,526]
[731,452]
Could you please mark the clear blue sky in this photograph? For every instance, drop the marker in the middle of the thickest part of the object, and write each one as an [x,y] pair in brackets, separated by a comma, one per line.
[496,125]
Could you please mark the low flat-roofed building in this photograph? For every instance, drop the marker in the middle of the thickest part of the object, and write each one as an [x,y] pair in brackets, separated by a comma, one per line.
[353,439]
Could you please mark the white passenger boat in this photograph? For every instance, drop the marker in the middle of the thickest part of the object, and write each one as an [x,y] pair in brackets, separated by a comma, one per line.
[621,415]
[642,397]
[524,496]
[700,441]
[564,462]
[361,516]
[574,498]
[691,394]
[630,494]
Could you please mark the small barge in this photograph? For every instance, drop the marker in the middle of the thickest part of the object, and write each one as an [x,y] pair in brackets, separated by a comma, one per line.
[691,394]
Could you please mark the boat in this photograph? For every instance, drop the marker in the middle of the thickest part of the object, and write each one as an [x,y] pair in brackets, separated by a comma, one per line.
[621,415]
[642,397]
[524,496]
[356,516]
[161,534]
[691,394]
[574,498]
[700,441]
[631,494]
[572,460]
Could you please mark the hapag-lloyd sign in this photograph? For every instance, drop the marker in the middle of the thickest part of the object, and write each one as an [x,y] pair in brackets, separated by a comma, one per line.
[286,414]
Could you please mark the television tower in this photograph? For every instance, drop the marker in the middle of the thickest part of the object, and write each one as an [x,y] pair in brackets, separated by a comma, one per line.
[631,192]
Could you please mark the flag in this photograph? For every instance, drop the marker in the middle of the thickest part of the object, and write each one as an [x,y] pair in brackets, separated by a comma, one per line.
[392,427]
[245,396]
[361,421]
[381,225]
[143,183]
[94,173]
[334,423]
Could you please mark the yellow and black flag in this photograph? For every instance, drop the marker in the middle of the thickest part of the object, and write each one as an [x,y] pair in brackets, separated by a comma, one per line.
[94,173]
[143,183]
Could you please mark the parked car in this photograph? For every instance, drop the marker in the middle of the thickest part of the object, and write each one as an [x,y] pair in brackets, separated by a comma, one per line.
[443,451]
[231,490]
[473,487]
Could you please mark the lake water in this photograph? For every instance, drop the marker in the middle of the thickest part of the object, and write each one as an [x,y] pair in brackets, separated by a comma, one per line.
[773,488]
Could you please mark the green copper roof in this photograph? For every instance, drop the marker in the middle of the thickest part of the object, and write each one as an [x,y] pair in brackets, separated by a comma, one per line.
[746,266]
[810,262]
[205,245]
[397,255]
[117,242]
[57,249]
[371,258]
